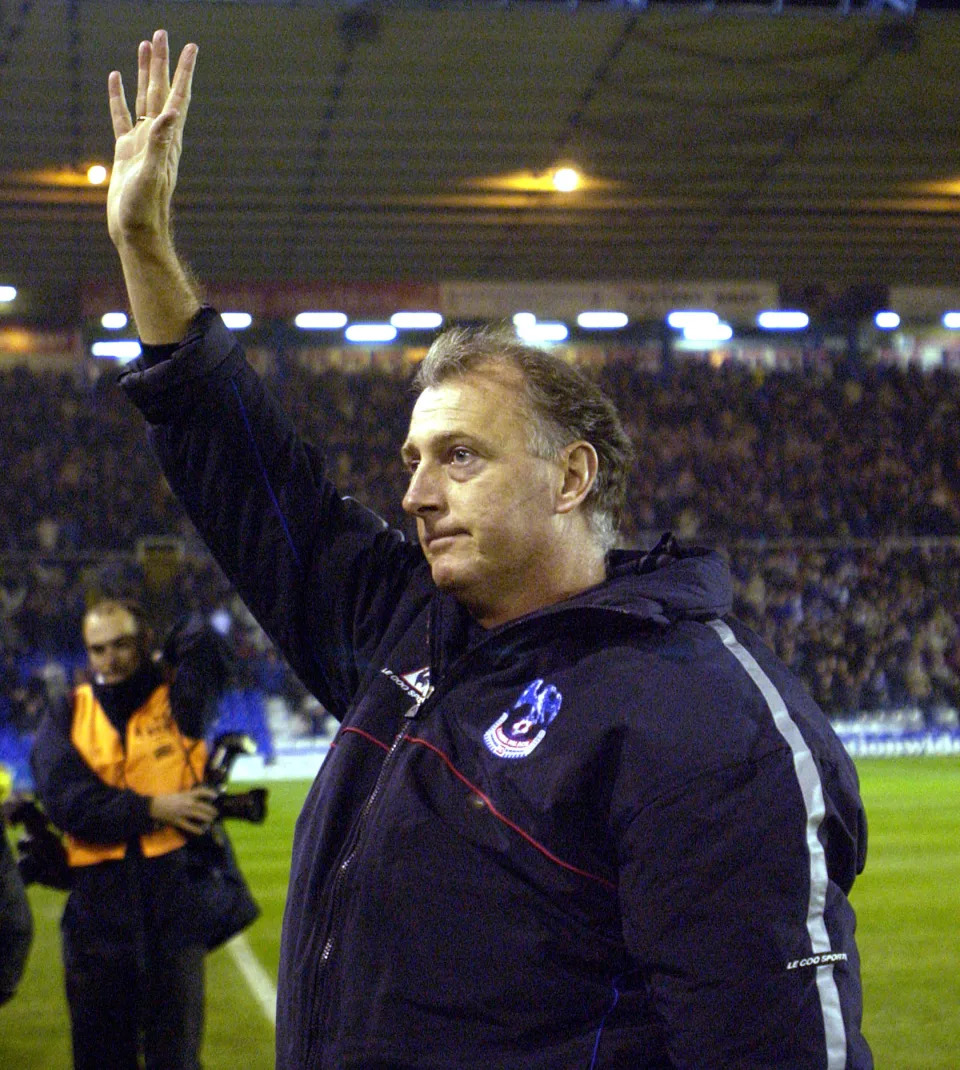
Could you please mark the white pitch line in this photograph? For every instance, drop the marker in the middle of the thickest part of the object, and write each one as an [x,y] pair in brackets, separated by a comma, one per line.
[258,980]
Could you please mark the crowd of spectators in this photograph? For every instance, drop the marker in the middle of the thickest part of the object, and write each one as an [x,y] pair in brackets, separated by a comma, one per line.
[734,453]
[868,627]
[722,453]
[76,477]
[837,499]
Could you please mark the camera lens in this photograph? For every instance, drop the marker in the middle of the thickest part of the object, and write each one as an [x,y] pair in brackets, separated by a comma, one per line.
[244,805]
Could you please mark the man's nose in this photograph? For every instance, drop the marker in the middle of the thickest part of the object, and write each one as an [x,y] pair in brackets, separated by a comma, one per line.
[423,491]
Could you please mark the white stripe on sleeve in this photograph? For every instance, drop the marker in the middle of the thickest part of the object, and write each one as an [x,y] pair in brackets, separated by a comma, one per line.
[812,792]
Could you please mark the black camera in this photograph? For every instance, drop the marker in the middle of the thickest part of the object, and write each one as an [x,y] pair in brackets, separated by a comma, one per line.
[243,805]
[240,805]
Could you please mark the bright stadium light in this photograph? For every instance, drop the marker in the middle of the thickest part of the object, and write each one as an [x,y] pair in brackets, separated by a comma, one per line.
[783,321]
[951,320]
[7,294]
[542,331]
[416,321]
[887,321]
[370,332]
[237,321]
[691,317]
[121,350]
[524,319]
[602,321]
[320,321]
[566,179]
[113,321]
[708,332]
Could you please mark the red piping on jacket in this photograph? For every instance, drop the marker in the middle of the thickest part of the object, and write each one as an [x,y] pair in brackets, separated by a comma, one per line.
[366,735]
[493,810]
[500,817]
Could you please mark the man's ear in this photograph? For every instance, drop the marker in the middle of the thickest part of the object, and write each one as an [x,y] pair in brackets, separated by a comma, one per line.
[579,466]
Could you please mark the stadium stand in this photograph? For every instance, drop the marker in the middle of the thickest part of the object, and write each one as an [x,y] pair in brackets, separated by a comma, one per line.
[836,496]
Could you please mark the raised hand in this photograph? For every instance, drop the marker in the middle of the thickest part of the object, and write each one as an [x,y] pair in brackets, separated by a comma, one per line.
[148,146]
[163,296]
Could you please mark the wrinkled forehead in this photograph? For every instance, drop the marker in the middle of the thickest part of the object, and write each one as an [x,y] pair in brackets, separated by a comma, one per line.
[488,401]
[108,625]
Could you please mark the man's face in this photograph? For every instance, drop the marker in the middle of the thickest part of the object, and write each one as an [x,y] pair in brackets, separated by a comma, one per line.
[484,505]
[113,644]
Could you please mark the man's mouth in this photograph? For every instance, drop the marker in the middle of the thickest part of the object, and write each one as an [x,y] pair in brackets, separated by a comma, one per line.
[440,539]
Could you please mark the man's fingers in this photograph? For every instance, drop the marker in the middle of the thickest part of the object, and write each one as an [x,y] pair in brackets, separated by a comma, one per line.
[119,114]
[156,98]
[158,85]
[179,97]
[201,822]
[161,134]
[203,803]
[144,53]
[197,818]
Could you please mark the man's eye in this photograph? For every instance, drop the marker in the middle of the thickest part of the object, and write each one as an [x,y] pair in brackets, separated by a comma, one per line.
[460,455]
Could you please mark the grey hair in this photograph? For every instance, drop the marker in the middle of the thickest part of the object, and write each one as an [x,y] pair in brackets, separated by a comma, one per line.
[563,404]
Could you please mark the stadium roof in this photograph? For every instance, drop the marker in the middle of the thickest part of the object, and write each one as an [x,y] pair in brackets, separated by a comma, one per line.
[804,144]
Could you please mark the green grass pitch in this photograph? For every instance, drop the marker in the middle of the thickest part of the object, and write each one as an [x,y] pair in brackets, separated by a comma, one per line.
[907,901]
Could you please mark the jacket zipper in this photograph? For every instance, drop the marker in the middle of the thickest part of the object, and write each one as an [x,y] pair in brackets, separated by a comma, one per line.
[345,863]
[356,832]
[358,828]
[412,714]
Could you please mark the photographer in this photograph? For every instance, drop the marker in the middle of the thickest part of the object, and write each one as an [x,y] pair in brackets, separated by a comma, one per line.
[119,771]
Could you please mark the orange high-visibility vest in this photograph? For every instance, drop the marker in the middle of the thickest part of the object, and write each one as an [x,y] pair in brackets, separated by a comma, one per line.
[155,759]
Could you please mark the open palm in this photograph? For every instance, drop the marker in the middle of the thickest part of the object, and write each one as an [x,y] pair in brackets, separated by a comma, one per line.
[147,152]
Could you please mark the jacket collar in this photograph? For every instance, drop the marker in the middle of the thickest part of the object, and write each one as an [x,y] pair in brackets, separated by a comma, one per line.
[670,582]
[660,586]
[119,701]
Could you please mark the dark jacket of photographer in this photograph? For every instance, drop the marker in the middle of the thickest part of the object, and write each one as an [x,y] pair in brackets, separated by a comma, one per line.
[16,922]
[125,872]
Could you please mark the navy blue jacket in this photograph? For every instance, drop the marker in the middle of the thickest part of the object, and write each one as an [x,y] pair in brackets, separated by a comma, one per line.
[615,833]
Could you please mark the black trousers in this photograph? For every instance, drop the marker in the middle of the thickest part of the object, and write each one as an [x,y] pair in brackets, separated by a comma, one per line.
[127,1015]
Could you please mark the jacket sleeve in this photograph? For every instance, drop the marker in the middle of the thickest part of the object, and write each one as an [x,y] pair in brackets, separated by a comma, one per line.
[75,798]
[16,921]
[739,926]
[320,572]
